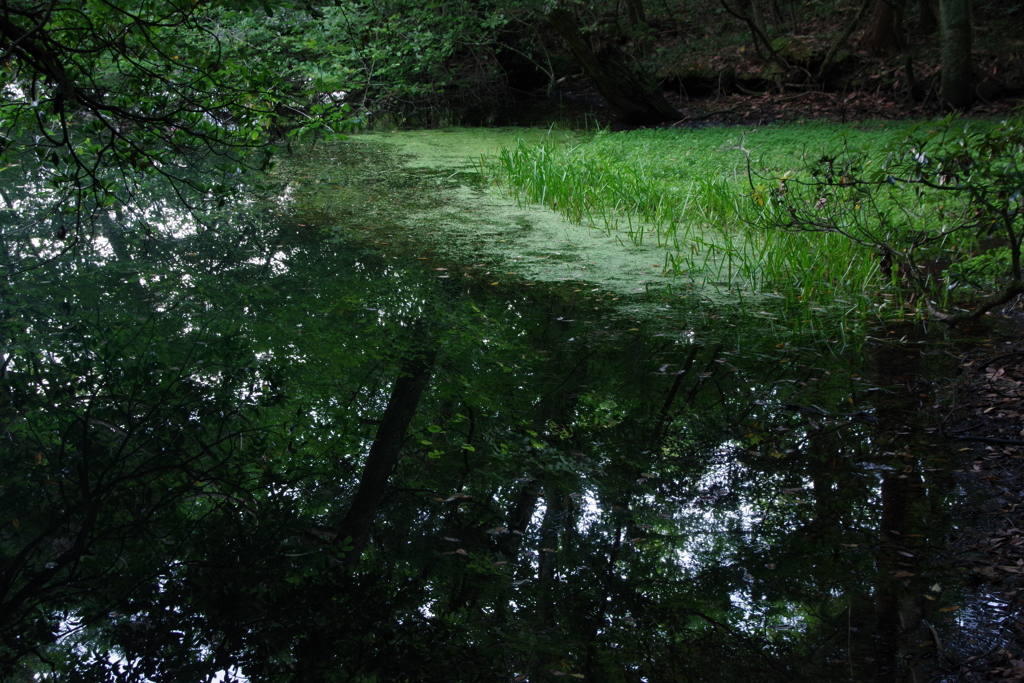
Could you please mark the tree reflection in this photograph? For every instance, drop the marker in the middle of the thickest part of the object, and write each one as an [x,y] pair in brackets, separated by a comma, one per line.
[257,450]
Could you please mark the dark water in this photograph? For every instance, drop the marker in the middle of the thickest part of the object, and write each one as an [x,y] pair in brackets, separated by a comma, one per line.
[638,490]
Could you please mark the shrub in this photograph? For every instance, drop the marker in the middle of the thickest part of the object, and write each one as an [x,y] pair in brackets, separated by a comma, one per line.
[941,208]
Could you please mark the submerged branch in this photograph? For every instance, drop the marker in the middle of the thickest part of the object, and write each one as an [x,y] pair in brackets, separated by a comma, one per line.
[1014,289]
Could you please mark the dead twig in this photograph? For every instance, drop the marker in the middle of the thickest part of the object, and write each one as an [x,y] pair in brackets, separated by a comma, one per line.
[993,359]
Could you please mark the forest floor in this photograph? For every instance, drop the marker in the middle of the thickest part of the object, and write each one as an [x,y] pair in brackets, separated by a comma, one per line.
[759,109]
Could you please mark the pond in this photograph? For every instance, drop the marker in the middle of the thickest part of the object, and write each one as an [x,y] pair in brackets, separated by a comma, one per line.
[371,421]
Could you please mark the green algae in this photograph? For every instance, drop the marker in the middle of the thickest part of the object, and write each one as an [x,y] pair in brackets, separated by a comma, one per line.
[426,195]
[456,148]
[424,192]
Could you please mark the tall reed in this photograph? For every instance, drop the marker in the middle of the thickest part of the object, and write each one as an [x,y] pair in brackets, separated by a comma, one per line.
[688,192]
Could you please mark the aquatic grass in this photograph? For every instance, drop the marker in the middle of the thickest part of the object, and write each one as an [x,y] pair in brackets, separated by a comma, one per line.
[688,192]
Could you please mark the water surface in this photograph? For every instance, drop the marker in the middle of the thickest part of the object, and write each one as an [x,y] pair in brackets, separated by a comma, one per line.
[602,479]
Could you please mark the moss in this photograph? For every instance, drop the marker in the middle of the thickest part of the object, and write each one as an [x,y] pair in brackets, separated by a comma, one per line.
[420,195]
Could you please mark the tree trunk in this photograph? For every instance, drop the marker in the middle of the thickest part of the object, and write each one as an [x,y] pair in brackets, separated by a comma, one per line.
[633,95]
[766,15]
[884,33]
[380,463]
[546,625]
[637,29]
[957,88]
[636,15]
[927,22]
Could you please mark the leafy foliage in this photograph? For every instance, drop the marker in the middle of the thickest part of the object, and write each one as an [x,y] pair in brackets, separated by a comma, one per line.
[101,95]
[941,208]
[382,56]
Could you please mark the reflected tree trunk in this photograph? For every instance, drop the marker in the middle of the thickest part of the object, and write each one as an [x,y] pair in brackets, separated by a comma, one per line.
[546,589]
[664,415]
[114,231]
[518,519]
[380,463]
[886,597]
[547,561]
[899,608]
